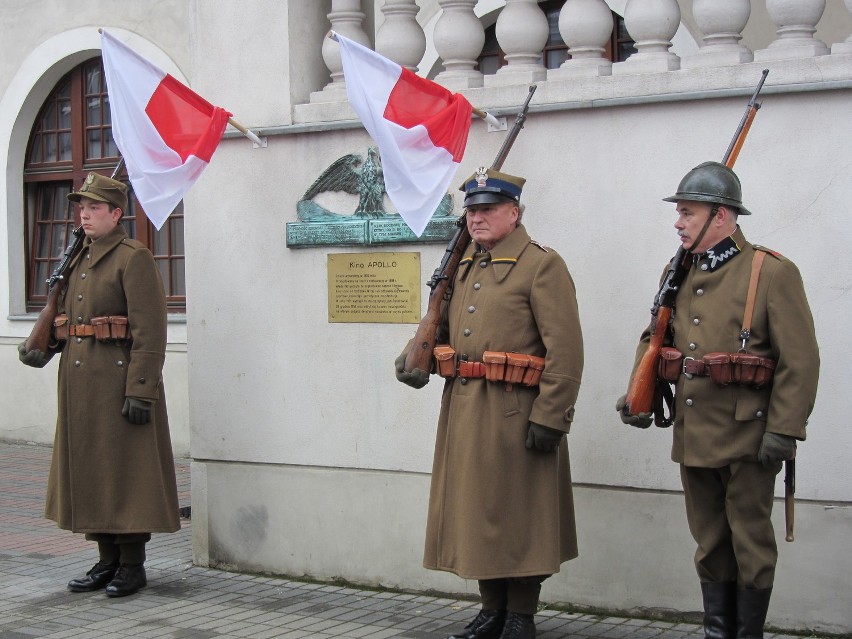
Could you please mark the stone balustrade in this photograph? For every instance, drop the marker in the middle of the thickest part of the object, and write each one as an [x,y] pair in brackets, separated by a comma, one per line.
[457,36]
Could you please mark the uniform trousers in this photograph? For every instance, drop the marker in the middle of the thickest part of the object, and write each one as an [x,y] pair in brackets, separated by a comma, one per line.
[728,510]
[124,548]
[515,594]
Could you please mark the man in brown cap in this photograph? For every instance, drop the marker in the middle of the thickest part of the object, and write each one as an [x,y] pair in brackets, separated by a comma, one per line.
[112,476]
[501,509]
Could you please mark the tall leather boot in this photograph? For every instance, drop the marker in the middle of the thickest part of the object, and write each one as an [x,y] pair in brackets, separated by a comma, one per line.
[752,606]
[720,609]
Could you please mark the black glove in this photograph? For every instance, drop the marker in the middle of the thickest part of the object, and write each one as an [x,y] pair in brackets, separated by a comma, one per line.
[542,438]
[418,378]
[775,448]
[137,411]
[34,358]
[642,420]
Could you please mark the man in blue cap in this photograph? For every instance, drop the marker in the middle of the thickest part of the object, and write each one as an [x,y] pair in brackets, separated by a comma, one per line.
[501,508]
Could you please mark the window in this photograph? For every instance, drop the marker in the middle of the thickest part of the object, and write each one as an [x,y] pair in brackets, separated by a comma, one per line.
[72,136]
[555,50]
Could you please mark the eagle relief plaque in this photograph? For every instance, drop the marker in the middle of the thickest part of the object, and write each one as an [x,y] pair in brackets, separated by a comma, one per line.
[370,223]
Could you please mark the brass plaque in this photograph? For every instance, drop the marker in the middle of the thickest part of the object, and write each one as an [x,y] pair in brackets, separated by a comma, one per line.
[381,288]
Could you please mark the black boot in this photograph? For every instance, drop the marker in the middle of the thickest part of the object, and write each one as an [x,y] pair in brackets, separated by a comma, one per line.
[518,626]
[488,624]
[127,581]
[98,577]
[752,606]
[720,609]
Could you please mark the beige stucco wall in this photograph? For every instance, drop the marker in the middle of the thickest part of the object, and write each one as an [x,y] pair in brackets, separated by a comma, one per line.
[309,458]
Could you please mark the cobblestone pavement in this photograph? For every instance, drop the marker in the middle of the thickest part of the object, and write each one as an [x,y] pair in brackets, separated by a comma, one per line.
[184,601]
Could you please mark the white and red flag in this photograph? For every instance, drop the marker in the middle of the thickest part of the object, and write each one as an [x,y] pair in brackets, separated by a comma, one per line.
[166,132]
[419,126]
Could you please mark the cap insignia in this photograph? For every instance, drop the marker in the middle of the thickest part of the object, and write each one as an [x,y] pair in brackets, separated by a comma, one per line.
[481,176]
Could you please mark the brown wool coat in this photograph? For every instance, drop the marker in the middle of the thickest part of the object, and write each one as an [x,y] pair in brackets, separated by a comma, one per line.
[108,475]
[717,425]
[497,509]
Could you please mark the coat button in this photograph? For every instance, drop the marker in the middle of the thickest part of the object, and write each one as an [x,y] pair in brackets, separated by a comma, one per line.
[78,363]
[477,286]
[704,267]
[471,309]
[119,363]
[79,297]
[692,346]
[483,264]
[467,332]
[689,402]
[463,381]
[696,321]
[83,276]
[79,339]
[759,413]
[141,380]
[699,292]
[80,320]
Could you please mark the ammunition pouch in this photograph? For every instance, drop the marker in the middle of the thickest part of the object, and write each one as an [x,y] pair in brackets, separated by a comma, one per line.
[104,329]
[496,366]
[722,368]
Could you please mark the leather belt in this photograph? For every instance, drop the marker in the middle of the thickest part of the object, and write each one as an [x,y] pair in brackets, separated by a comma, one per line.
[81,330]
[471,369]
[692,366]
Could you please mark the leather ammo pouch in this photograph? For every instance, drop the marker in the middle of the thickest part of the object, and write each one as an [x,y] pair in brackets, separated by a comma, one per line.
[113,327]
[495,365]
[532,375]
[516,365]
[60,327]
[445,360]
[670,364]
[719,367]
[119,328]
[751,370]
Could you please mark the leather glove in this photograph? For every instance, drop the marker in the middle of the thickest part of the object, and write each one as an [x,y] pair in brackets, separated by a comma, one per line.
[542,438]
[775,448]
[642,420]
[418,378]
[137,411]
[34,358]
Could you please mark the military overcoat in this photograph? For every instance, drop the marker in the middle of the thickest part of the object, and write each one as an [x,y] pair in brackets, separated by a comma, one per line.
[716,425]
[497,509]
[108,475]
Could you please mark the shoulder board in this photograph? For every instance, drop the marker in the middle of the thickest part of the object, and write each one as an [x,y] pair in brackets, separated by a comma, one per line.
[758,247]
[136,244]
[544,248]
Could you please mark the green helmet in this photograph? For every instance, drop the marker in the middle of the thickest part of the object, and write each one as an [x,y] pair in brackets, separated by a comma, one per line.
[711,182]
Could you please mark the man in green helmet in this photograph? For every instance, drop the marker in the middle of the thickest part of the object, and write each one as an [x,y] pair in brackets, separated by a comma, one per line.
[745,371]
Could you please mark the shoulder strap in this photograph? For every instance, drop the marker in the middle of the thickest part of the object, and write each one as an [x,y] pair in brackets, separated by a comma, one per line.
[756,263]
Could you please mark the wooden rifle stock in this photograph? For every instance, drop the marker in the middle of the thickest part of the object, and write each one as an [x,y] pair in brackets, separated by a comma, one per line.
[640,394]
[420,353]
[40,335]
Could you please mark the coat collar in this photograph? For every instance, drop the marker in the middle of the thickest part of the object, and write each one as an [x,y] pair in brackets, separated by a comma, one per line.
[724,252]
[102,246]
[503,256]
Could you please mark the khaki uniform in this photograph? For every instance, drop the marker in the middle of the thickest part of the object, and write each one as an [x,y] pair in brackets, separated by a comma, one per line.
[721,428]
[108,475]
[496,509]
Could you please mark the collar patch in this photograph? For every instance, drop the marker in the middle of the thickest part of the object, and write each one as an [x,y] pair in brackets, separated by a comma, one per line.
[721,254]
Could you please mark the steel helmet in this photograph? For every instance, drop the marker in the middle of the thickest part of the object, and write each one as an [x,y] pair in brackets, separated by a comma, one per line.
[711,182]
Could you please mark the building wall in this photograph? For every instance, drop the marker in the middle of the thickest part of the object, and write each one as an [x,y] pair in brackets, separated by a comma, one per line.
[308,457]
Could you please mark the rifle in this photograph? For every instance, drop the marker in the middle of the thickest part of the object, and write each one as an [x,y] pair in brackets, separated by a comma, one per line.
[645,387]
[420,354]
[789,495]
[39,338]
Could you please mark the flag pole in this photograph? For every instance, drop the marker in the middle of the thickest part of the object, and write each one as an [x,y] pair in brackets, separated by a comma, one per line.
[480,113]
[246,132]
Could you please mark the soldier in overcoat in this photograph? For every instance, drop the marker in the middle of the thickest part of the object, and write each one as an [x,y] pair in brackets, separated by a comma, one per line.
[501,507]
[731,434]
[112,474]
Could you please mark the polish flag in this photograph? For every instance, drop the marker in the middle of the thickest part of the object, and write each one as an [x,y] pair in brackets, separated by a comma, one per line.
[165,132]
[419,126]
